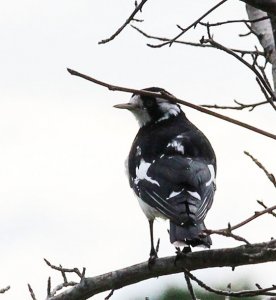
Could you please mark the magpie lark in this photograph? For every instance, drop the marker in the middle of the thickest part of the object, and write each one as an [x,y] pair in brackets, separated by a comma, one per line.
[171,168]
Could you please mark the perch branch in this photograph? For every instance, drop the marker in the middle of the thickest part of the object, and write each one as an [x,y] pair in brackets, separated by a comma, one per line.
[172,98]
[229,257]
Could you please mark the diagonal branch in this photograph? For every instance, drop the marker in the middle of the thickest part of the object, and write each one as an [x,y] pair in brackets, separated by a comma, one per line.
[171,41]
[172,98]
[230,228]
[270,176]
[251,67]
[3,290]
[129,19]
[228,257]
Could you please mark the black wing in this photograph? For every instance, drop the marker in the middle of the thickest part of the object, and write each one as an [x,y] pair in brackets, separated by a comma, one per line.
[181,188]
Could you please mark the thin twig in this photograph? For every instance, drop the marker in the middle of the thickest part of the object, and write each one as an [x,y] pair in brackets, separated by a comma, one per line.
[227,233]
[31,292]
[3,290]
[230,228]
[240,106]
[73,270]
[252,68]
[245,293]
[270,176]
[233,21]
[172,98]
[264,206]
[171,41]
[129,19]
[190,286]
[242,52]
[61,286]
[109,295]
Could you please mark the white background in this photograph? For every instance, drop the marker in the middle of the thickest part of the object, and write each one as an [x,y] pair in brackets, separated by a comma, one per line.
[63,192]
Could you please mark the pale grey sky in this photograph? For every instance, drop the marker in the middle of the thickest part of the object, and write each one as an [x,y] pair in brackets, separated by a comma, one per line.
[64,195]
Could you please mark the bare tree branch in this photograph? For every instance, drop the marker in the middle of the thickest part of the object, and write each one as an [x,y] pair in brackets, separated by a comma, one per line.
[129,19]
[270,176]
[171,98]
[233,21]
[240,106]
[246,293]
[3,290]
[229,229]
[226,233]
[183,30]
[251,67]
[190,286]
[31,292]
[240,51]
[264,206]
[229,257]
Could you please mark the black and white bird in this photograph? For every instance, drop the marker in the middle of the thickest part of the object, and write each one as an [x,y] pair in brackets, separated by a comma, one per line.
[171,168]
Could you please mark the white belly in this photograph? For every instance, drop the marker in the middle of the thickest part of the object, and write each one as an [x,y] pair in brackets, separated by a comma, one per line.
[150,212]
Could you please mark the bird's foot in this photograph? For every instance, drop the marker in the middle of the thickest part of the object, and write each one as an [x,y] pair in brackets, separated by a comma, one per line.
[153,255]
[152,259]
[181,253]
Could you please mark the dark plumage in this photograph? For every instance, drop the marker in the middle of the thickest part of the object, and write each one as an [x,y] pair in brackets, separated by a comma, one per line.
[172,169]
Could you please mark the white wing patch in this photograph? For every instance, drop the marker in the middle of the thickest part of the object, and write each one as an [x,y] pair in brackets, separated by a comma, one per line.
[195,195]
[141,173]
[176,145]
[212,173]
[173,194]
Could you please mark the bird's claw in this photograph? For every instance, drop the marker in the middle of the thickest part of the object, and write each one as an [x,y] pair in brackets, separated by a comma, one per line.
[181,253]
[152,260]
[153,255]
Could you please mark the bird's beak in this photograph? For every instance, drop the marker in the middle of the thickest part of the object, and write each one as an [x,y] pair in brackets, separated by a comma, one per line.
[129,106]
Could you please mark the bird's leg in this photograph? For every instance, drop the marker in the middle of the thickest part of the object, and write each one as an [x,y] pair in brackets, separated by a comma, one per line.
[181,253]
[153,250]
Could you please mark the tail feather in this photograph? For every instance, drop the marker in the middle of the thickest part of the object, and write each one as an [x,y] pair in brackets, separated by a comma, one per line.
[190,234]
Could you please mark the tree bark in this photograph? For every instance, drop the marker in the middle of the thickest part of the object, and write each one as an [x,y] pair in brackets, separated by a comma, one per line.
[266,33]
[228,257]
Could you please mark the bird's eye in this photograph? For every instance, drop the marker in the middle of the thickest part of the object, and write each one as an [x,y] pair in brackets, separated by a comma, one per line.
[149,103]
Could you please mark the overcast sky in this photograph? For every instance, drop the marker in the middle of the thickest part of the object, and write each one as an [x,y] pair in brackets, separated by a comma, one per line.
[64,194]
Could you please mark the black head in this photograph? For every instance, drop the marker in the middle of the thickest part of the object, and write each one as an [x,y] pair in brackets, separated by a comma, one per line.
[150,109]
